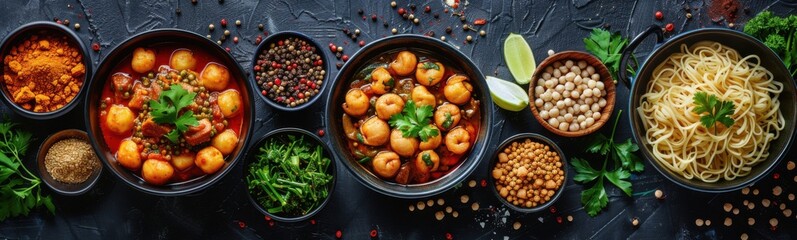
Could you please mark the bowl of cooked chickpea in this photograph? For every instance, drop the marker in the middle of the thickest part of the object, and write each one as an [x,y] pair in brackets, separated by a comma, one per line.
[409,116]
[528,172]
[169,112]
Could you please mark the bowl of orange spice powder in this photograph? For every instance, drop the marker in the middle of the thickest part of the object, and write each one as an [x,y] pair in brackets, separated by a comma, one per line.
[45,67]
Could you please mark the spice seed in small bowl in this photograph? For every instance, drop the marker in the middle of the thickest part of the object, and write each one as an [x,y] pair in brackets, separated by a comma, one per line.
[71,161]
[291,71]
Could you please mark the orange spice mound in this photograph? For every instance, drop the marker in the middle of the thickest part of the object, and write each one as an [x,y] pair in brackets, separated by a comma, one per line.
[43,73]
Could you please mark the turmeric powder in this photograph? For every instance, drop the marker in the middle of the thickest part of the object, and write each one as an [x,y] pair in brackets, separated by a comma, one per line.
[43,73]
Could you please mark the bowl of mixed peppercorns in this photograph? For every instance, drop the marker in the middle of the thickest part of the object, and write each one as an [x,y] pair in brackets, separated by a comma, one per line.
[290,70]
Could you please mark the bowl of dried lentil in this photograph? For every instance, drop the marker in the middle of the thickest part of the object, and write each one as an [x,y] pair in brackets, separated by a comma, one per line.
[67,162]
[45,66]
[528,172]
[290,70]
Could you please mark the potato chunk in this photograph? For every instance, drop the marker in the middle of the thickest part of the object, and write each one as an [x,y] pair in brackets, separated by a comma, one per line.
[143,60]
[128,155]
[215,77]
[182,59]
[229,103]
[225,142]
[157,172]
[209,159]
[119,119]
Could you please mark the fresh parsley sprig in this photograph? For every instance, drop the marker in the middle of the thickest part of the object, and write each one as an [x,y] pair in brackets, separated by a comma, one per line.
[608,47]
[594,199]
[414,121]
[167,108]
[718,111]
[20,190]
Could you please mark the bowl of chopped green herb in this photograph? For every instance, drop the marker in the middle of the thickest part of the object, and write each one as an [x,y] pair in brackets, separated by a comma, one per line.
[289,174]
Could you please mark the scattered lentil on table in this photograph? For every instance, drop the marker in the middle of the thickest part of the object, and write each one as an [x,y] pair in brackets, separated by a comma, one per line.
[71,161]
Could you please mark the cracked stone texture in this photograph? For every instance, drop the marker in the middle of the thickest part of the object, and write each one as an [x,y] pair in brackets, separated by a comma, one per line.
[114,211]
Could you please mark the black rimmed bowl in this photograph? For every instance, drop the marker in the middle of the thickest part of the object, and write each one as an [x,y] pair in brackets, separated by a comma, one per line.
[534,138]
[745,45]
[281,135]
[44,28]
[154,38]
[439,50]
[68,189]
[275,38]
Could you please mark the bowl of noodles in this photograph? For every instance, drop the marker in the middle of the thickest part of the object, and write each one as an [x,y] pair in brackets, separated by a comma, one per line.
[712,109]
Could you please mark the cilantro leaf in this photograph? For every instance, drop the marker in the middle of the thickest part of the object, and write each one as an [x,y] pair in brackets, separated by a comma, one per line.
[716,110]
[619,177]
[427,159]
[448,121]
[625,153]
[598,144]
[594,199]
[166,110]
[185,120]
[584,172]
[430,65]
[414,121]
[607,47]
[21,190]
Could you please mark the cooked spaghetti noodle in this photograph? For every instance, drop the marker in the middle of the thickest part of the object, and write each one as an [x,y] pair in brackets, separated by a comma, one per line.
[674,132]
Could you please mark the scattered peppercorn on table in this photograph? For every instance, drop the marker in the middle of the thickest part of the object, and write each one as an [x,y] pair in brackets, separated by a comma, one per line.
[657,208]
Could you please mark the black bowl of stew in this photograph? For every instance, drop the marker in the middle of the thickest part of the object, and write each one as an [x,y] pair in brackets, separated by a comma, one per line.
[440,79]
[169,112]
[68,46]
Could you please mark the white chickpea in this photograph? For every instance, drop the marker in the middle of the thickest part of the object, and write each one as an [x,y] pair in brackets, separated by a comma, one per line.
[539,90]
[596,77]
[588,113]
[596,92]
[550,84]
[541,82]
[566,94]
[570,86]
[557,64]
[570,110]
[570,77]
[584,74]
[561,118]
[583,125]
[596,115]
[568,117]
[589,101]
[556,96]
[544,114]
[546,75]
[562,80]
[564,69]
[553,122]
[602,102]
[547,106]
[560,104]
[576,108]
[554,112]
[549,70]
[591,83]
[595,108]
[563,126]
[581,118]
[574,127]
[600,85]
[578,80]
[582,64]
[584,108]
[557,73]
[586,94]
[539,102]
[575,70]
[559,88]
[546,96]
[590,121]
[575,94]
[569,63]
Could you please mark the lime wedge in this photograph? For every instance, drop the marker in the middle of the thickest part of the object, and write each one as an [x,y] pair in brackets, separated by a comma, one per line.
[506,94]
[519,58]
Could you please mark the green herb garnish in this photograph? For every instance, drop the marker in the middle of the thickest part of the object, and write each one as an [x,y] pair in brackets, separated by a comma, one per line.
[20,190]
[778,33]
[718,111]
[448,121]
[166,109]
[430,65]
[414,121]
[608,47]
[594,199]
[289,176]
[427,159]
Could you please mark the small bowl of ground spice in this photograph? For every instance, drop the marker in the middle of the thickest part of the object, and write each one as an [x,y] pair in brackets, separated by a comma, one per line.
[290,71]
[68,163]
[45,66]
[528,172]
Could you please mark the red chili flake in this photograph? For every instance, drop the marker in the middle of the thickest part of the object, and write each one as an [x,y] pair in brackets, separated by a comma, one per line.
[373,17]
[449,236]
[480,21]
[776,176]
[58,21]
[95,46]
[312,221]
[427,8]
[235,40]
[553,209]
[362,43]
[338,234]
[224,22]
[374,233]
[669,27]
[484,183]
[659,15]
[559,219]
[227,49]
[241,224]
[345,58]
[258,40]
[402,11]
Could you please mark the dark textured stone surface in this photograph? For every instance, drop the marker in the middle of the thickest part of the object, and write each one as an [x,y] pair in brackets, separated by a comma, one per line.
[115,211]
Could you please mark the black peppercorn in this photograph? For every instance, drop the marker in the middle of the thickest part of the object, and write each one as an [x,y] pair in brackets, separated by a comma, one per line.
[448,30]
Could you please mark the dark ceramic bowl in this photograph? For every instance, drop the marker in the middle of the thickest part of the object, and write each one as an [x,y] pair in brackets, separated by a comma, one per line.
[44,28]
[281,36]
[69,189]
[281,133]
[155,38]
[535,138]
[745,45]
[439,50]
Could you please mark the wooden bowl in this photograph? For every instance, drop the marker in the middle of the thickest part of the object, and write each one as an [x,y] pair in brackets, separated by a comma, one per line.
[606,78]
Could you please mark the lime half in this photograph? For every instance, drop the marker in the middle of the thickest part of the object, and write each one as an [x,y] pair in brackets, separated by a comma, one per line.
[506,94]
[519,58]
